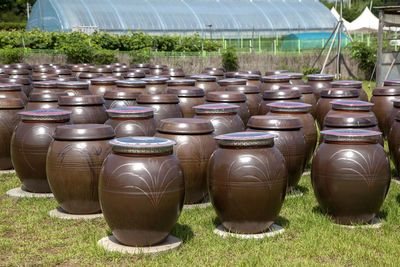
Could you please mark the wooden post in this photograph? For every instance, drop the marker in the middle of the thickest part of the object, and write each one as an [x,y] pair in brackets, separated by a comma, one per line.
[379,52]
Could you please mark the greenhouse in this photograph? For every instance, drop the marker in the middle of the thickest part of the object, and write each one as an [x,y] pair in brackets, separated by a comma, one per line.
[210,18]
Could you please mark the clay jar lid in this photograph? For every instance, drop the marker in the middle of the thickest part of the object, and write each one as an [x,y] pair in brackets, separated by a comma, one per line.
[160,98]
[77,132]
[45,84]
[11,103]
[248,76]
[351,135]
[158,66]
[88,76]
[351,105]
[40,97]
[100,70]
[47,77]
[223,96]
[346,84]
[175,73]
[17,71]
[216,108]
[136,74]
[204,78]
[231,74]
[10,87]
[142,65]
[80,69]
[131,112]
[392,82]
[131,83]
[63,71]
[45,115]
[185,126]
[281,94]
[396,102]
[181,82]
[289,107]
[386,90]
[24,81]
[122,94]
[245,139]
[251,72]
[275,72]
[275,78]
[320,77]
[217,72]
[103,81]
[82,100]
[245,89]
[120,69]
[294,75]
[73,84]
[155,80]
[142,145]
[340,93]
[232,81]
[304,89]
[274,122]
[66,79]
[350,120]
[215,68]
[186,91]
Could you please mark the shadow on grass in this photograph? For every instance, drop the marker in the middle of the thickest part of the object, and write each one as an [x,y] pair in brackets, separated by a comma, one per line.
[281,221]
[398,198]
[302,189]
[183,231]
[318,210]
[382,214]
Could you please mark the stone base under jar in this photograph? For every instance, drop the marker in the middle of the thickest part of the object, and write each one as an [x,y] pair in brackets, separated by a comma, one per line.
[273,231]
[110,243]
[374,223]
[21,192]
[202,205]
[61,214]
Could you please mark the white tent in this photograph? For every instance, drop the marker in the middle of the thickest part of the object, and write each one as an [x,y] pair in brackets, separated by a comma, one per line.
[365,22]
[346,24]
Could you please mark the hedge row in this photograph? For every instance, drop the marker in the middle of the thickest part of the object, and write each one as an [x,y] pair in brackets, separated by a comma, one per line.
[8,26]
[128,42]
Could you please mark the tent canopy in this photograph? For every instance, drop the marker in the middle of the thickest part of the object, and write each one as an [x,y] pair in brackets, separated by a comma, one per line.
[365,22]
[346,24]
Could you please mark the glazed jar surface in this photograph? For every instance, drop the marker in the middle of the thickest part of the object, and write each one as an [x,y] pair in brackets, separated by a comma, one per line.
[188,98]
[181,83]
[132,121]
[29,145]
[247,180]
[132,85]
[156,85]
[231,81]
[394,142]
[318,82]
[280,95]
[252,79]
[382,98]
[165,105]
[253,96]
[206,82]
[99,86]
[350,175]
[120,98]
[24,82]
[289,141]
[306,94]
[273,82]
[351,84]
[223,117]
[74,88]
[12,91]
[73,164]
[141,190]
[85,109]
[42,101]
[194,145]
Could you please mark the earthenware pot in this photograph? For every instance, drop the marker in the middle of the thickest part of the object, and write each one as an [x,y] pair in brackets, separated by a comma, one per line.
[351,84]
[76,88]
[232,81]
[275,72]
[217,73]
[85,108]
[253,96]
[295,78]
[24,82]
[120,98]
[132,85]
[105,71]
[273,82]
[12,91]
[181,83]
[99,86]
[165,105]
[284,95]
[306,94]
[391,82]
[43,101]
[394,142]
[188,98]
[318,82]
[156,86]
[206,82]
[252,79]
[234,98]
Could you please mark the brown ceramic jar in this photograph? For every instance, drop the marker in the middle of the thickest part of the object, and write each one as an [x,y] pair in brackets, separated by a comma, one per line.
[181,83]
[132,85]
[391,82]
[165,105]
[252,79]
[223,117]
[132,121]
[392,115]
[350,175]
[29,145]
[105,71]
[275,72]
[318,82]
[382,98]
[284,95]
[141,190]
[345,107]
[135,75]
[74,88]
[394,142]
[86,76]
[253,96]
[99,86]
[45,87]
[295,78]
[42,101]
[273,82]
[351,84]
[73,164]
[251,72]
[77,70]
[188,98]
[12,91]
[157,69]
[85,109]
[217,73]
[289,141]
[331,94]
[18,73]
[232,81]
[24,82]
[302,112]
[156,86]
[206,82]
[9,118]
[234,98]
[120,98]
[247,181]
[306,94]
[194,145]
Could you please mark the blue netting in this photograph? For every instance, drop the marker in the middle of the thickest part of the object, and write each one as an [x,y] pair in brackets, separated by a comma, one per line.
[229,18]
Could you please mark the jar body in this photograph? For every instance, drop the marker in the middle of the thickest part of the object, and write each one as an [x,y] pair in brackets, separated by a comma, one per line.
[187,104]
[223,123]
[310,99]
[29,145]
[75,91]
[142,90]
[119,103]
[317,86]
[141,196]
[164,110]
[100,89]
[394,144]
[124,127]
[14,94]
[382,106]
[155,89]
[372,128]
[253,102]
[193,152]
[350,181]
[324,106]
[207,86]
[41,105]
[247,198]
[9,119]
[271,85]
[73,169]
[87,114]
[264,109]
[254,82]
[243,110]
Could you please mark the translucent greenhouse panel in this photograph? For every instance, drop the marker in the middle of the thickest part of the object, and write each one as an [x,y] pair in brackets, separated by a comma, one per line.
[104,14]
[75,14]
[44,17]
[323,18]
[276,16]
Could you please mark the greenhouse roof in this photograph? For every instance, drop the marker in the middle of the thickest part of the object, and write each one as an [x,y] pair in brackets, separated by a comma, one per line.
[229,18]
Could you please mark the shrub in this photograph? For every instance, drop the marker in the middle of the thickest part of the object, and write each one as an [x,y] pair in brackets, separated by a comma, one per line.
[139,56]
[364,55]
[79,52]
[104,57]
[310,70]
[230,59]
[11,55]
[7,26]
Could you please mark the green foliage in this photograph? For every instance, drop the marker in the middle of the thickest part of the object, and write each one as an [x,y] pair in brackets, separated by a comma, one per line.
[7,26]
[79,52]
[364,55]
[139,56]
[11,55]
[230,59]
[13,10]
[310,70]
[104,57]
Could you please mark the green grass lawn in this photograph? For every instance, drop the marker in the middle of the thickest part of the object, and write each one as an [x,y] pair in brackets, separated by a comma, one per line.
[28,236]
